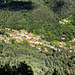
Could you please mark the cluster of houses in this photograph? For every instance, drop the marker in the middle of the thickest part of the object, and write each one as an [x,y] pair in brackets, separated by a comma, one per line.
[63,44]
[72,47]
[32,39]
[23,35]
[64,21]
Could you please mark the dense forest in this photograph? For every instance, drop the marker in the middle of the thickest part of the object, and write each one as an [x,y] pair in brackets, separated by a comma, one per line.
[41,17]
[25,60]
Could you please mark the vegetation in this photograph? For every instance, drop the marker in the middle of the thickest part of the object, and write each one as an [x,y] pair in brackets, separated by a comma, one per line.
[51,63]
[39,17]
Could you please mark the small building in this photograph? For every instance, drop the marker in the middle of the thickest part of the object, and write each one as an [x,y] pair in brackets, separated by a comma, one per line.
[38,47]
[65,20]
[7,29]
[46,50]
[1,38]
[6,41]
[40,42]
[24,39]
[61,22]
[11,34]
[18,40]
[15,31]
[32,45]
[62,43]
[26,35]
[73,40]
[23,31]
[37,37]
[19,34]
[72,47]
[29,37]
[63,38]
[31,34]
[15,36]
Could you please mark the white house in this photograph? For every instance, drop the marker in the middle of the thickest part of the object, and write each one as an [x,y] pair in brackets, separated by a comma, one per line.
[26,35]
[19,34]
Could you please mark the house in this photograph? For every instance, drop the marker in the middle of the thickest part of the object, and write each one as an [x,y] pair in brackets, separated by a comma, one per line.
[62,43]
[40,42]
[11,34]
[72,47]
[61,22]
[63,38]
[65,20]
[23,31]
[6,41]
[38,47]
[59,50]
[27,35]
[34,41]
[31,34]
[26,32]
[9,42]
[22,34]
[73,40]
[41,51]
[1,38]
[24,39]
[46,50]
[15,31]
[63,35]
[32,45]
[37,37]
[18,40]
[62,46]
[8,29]
[19,34]
[70,50]
[15,36]
[7,38]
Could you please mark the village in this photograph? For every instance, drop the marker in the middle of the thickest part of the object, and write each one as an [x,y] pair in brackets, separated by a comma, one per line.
[33,40]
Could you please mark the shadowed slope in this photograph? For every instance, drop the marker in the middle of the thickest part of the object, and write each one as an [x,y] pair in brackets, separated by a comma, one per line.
[18,5]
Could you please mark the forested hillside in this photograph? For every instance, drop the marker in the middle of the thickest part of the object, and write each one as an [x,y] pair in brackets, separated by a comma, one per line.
[40,17]
[36,63]
[53,21]
[62,8]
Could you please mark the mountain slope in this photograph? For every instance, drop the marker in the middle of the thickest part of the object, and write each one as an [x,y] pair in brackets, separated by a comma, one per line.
[40,17]
[51,63]
[61,7]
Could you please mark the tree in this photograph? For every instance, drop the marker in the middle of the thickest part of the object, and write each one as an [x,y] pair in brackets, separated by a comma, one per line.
[1,2]
[5,1]
[12,41]
[39,40]
[25,42]
[55,72]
